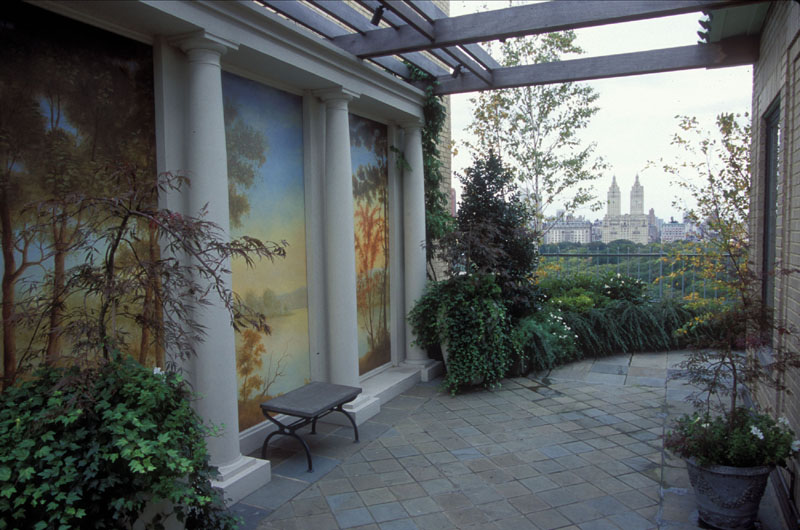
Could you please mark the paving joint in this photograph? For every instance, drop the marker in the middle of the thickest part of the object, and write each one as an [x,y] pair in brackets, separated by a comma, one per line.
[553,450]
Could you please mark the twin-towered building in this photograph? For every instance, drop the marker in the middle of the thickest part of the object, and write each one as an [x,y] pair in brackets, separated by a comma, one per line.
[634,226]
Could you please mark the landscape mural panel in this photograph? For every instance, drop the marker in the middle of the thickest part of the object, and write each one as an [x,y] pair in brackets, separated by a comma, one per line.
[264,139]
[76,111]
[369,155]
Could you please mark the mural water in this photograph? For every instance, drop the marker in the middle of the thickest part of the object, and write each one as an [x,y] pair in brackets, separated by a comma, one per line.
[264,137]
[369,155]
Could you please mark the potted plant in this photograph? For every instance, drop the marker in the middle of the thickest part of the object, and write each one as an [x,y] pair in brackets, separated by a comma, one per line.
[466,317]
[731,447]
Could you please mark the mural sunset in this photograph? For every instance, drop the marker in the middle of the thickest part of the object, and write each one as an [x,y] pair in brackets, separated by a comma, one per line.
[264,138]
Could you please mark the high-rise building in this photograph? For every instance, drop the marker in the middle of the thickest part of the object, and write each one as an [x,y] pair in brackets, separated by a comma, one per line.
[633,226]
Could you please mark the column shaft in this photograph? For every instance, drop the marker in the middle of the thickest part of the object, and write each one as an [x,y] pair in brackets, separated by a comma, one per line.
[340,259]
[214,367]
[413,232]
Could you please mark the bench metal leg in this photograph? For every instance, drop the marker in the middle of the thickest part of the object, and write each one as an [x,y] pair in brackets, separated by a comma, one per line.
[286,431]
[352,421]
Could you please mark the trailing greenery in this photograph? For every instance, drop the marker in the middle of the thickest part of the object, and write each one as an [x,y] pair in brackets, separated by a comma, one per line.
[438,220]
[467,316]
[89,448]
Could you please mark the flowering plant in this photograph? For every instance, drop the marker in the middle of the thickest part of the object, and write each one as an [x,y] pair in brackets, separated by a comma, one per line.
[743,439]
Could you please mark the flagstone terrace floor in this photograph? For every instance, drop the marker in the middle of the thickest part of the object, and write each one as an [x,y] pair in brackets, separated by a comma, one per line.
[579,447]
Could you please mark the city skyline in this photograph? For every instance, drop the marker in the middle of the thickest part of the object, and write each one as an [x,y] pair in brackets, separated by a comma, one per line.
[636,120]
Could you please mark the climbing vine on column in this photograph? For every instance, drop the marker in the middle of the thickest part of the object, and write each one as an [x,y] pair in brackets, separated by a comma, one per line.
[438,220]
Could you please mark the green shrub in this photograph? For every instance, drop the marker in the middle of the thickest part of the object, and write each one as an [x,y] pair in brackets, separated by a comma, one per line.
[546,340]
[467,315]
[89,447]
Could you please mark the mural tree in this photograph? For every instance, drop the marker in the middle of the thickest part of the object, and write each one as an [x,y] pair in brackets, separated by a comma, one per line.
[81,231]
[249,362]
[370,191]
[21,128]
[247,148]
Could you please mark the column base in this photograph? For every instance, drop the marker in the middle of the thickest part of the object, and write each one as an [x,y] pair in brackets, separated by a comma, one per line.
[363,408]
[429,369]
[241,478]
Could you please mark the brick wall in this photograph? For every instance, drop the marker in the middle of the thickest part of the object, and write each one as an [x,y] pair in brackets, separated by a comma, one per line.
[776,76]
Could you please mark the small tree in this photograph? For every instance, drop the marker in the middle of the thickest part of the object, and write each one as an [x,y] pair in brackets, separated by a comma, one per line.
[728,336]
[493,234]
[537,129]
[715,171]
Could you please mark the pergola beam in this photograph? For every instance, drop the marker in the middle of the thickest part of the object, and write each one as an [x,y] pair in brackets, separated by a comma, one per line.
[410,17]
[730,52]
[518,21]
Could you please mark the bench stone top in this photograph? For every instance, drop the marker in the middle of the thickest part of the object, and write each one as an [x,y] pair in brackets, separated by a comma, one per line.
[311,400]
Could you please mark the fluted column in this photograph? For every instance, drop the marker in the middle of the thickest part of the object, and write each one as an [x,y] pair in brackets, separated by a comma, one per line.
[339,234]
[413,231]
[213,369]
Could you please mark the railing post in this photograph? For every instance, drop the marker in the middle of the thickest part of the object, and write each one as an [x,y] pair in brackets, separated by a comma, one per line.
[661,272]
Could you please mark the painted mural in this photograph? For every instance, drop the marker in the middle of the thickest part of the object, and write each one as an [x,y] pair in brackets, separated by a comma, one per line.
[76,110]
[369,154]
[264,137]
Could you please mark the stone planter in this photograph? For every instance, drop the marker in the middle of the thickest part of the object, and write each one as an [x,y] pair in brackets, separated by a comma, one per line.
[728,497]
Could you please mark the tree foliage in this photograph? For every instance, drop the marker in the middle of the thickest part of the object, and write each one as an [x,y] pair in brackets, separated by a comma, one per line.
[715,171]
[492,234]
[537,129]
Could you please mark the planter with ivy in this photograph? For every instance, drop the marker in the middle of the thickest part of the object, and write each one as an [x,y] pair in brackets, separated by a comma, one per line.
[466,315]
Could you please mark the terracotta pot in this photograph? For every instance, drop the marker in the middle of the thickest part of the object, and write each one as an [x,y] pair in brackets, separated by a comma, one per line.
[728,497]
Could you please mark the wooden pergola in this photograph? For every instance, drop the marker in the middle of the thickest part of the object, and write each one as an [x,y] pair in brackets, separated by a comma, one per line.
[391,33]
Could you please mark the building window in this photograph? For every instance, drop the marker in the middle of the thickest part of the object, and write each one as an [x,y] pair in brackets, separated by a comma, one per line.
[771,173]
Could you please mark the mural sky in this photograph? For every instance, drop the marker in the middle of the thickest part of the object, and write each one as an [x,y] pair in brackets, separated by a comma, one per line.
[264,134]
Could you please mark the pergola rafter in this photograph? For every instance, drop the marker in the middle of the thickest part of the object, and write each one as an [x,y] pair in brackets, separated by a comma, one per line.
[391,33]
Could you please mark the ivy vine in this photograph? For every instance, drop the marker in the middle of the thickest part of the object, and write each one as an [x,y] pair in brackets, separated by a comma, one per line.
[438,221]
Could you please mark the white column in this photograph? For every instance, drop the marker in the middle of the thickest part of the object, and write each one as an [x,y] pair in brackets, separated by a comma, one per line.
[413,231]
[213,369]
[339,234]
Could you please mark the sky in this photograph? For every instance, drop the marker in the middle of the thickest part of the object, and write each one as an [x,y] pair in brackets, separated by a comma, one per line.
[636,119]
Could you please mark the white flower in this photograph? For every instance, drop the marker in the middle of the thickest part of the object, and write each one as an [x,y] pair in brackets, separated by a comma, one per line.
[157,370]
[755,431]
[796,445]
[783,421]
[704,425]
[607,287]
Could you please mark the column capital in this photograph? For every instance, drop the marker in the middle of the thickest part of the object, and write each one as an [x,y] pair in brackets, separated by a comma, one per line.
[336,93]
[202,40]
[412,123]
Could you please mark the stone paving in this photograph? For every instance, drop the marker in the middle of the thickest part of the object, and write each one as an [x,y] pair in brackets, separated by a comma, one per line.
[579,447]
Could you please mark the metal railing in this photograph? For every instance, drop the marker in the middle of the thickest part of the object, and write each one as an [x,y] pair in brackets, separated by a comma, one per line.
[665,274]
